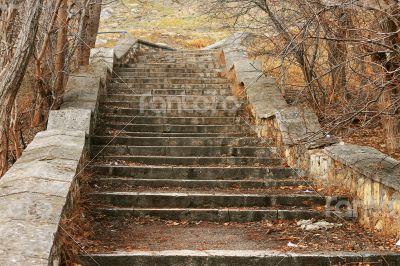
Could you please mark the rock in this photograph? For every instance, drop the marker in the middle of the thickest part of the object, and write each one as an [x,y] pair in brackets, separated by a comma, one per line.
[309,225]
[106,13]
[100,41]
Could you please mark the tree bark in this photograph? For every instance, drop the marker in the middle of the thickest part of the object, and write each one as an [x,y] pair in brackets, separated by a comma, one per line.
[12,75]
[61,51]
[93,23]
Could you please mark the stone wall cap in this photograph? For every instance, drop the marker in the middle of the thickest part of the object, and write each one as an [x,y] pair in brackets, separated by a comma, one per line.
[368,161]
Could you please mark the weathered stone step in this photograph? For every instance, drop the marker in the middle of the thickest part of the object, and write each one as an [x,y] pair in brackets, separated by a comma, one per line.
[197,151]
[176,56]
[178,128]
[163,105]
[196,173]
[240,257]
[168,80]
[159,66]
[170,99]
[124,74]
[174,59]
[205,92]
[180,141]
[175,120]
[166,86]
[110,182]
[221,215]
[209,200]
[186,52]
[168,70]
[187,160]
[184,112]
[164,134]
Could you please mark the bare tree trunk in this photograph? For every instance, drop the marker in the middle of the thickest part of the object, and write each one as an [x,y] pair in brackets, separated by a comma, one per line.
[391,64]
[61,50]
[41,91]
[7,20]
[93,23]
[11,76]
[82,39]
[14,133]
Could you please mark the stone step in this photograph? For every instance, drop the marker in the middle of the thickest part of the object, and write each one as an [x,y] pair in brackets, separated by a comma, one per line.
[181,151]
[203,200]
[205,92]
[168,70]
[176,56]
[196,173]
[236,257]
[168,80]
[186,161]
[180,141]
[184,112]
[174,120]
[169,135]
[170,99]
[111,183]
[124,74]
[186,52]
[222,215]
[162,66]
[165,128]
[167,86]
[165,104]
[174,59]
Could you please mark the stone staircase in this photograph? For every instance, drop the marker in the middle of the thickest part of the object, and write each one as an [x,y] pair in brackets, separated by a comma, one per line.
[173,144]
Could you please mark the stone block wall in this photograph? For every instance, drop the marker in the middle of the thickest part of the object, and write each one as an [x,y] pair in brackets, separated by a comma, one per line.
[372,178]
[42,186]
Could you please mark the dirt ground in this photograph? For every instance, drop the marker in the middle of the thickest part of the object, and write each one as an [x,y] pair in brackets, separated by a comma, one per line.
[148,234]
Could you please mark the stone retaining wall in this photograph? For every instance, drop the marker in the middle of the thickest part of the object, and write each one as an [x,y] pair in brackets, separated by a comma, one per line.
[372,177]
[40,188]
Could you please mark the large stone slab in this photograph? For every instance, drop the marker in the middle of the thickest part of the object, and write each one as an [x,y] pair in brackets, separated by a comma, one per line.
[298,126]
[102,55]
[369,162]
[70,120]
[262,92]
[124,45]
[33,194]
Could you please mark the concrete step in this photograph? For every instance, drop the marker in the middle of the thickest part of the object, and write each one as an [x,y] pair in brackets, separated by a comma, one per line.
[169,128]
[171,135]
[168,80]
[184,112]
[181,151]
[124,74]
[186,52]
[186,160]
[180,141]
[163,105]
[205,92]
[176,56]
[221,215]
[205,200]
[170,99]
[162,66]
[174,120]
[196,173]
[111,183]
[167,86]
[237,257]
[168,70]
